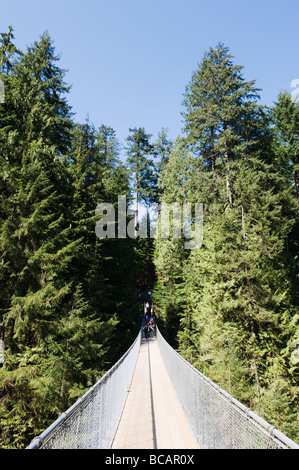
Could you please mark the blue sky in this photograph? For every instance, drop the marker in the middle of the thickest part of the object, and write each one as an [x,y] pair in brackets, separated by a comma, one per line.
[129,61]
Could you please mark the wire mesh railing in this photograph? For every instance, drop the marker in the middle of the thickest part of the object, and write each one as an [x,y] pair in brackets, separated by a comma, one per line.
[92,421]
[218,420]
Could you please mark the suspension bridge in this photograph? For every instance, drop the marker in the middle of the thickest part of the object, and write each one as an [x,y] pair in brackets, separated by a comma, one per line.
[152,398]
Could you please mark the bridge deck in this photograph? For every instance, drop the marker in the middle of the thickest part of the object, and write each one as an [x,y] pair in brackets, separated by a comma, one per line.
[152,417]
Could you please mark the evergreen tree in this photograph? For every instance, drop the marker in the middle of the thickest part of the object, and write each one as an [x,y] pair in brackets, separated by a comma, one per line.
[286,120]
[233,298]
[170,255]
[57,325]
[222,114]
[162,148]
[7,51]
[104,267]
[69,304]
[108,148]
[35,251]
[139,153]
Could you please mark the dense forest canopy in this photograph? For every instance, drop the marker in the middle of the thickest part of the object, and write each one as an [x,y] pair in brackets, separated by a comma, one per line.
[71,302]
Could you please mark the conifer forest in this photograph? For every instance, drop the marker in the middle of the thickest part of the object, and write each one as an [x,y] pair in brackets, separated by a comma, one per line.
[71,303]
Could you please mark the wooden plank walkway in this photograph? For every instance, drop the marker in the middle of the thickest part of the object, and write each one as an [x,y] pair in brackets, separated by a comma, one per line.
[152,417]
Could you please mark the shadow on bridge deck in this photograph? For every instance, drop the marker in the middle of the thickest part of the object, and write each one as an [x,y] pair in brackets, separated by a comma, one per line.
[152,417]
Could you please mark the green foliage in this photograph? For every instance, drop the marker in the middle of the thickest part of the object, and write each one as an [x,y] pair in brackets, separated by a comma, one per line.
[231,307]
[69,304]
[139,158]
[285,116]
[68,301]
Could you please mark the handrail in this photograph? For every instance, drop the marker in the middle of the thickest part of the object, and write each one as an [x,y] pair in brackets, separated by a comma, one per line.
[217,418]
[42,439]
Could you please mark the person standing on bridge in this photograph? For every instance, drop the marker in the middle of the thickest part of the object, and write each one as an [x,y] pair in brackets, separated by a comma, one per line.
[146,320]
[149,323]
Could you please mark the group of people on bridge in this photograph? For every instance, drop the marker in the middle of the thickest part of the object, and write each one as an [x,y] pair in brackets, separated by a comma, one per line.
[148,320]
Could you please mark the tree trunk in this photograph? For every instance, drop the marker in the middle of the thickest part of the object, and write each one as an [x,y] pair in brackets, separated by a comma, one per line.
[228,186]
[136,209]
[243,224]
[213,155]
[229,193]
[296,180]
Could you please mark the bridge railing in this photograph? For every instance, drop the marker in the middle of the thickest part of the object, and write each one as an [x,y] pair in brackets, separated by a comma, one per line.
[218,420]
[92,421]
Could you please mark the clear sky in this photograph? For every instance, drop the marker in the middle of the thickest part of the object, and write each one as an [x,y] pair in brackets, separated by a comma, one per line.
[129,61]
